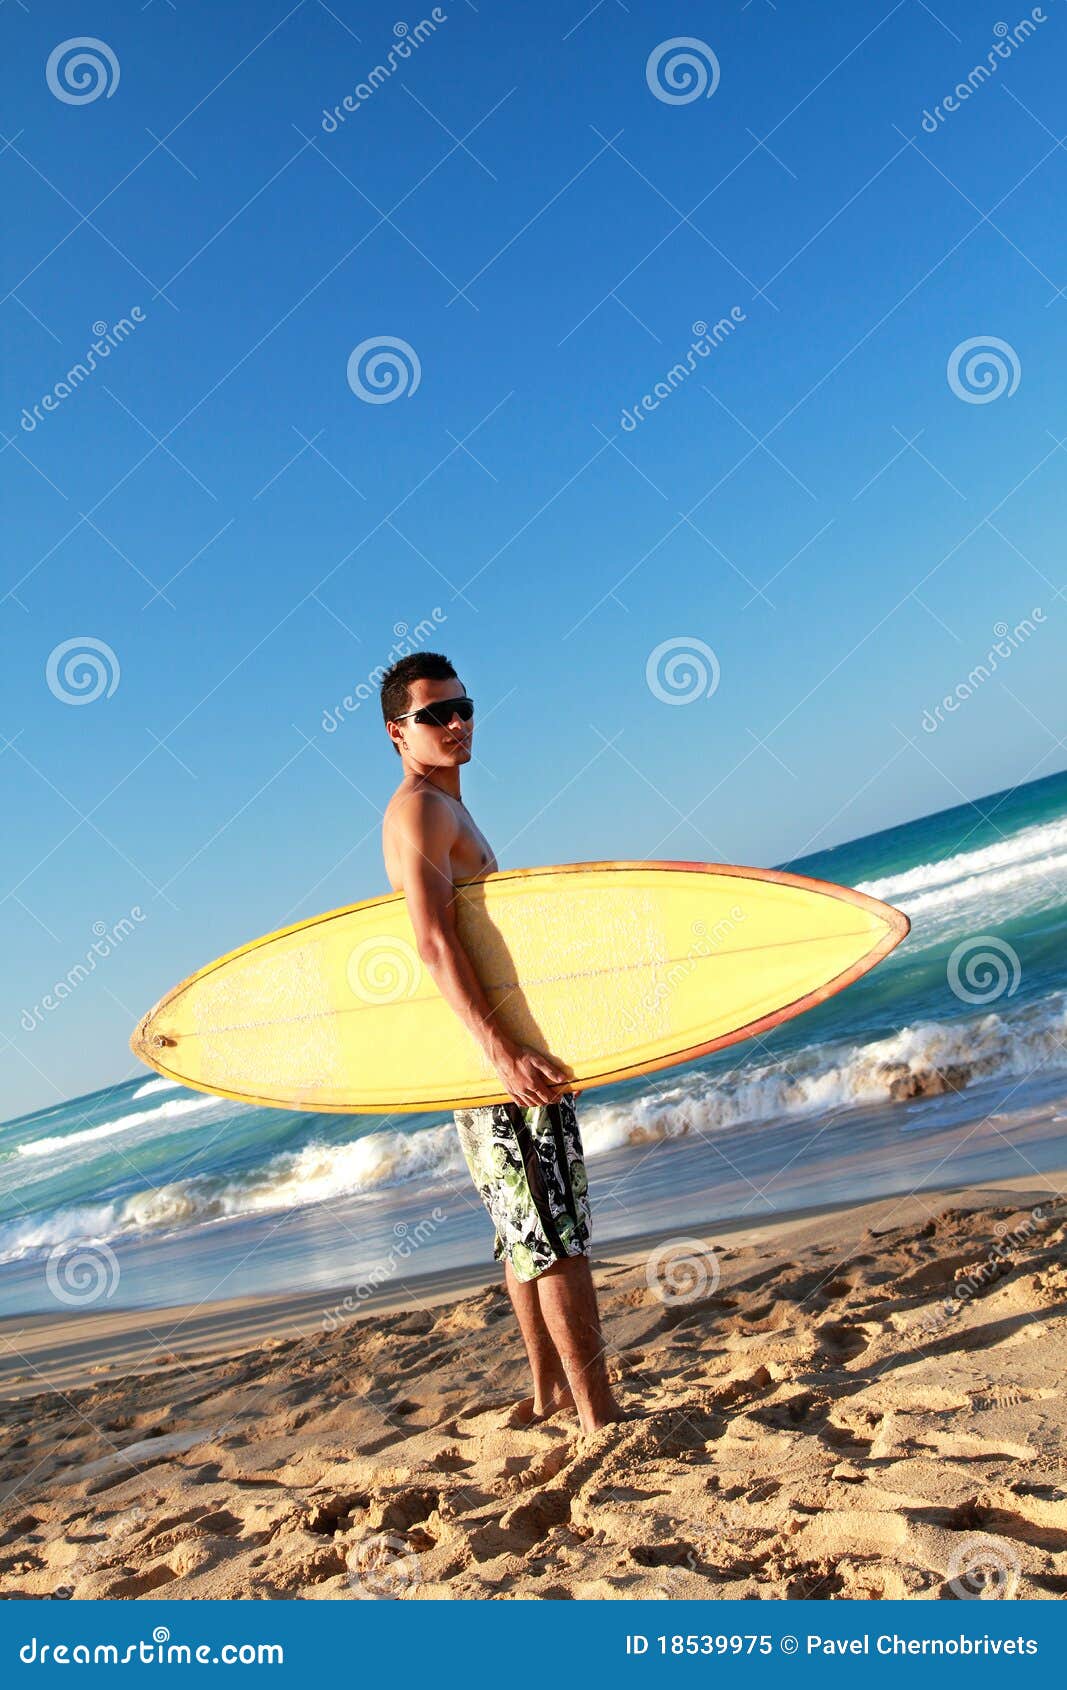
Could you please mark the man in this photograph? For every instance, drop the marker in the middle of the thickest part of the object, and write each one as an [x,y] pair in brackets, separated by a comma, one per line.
[525,1156]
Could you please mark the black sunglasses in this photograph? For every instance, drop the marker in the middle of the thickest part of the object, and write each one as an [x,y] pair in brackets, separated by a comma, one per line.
[440,713]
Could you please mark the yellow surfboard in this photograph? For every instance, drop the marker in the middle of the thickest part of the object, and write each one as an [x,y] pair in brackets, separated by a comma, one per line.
[616,969]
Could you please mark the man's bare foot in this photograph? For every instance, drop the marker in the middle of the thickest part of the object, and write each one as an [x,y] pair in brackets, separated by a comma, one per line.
[528,1412]
[613,1414]
[559,1398]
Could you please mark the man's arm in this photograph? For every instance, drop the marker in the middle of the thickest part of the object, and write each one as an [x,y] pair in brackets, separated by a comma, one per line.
[426,831]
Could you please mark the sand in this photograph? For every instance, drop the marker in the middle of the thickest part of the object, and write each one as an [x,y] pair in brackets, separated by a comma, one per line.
[809,1420]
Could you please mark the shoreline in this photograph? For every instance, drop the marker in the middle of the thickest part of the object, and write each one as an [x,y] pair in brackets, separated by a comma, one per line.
[63,1350]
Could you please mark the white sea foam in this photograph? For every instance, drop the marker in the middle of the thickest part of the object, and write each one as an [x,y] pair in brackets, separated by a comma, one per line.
[151,1086]
[1012,890]
[292,1179]
[917,1061]
[65,1142]
[1033,855]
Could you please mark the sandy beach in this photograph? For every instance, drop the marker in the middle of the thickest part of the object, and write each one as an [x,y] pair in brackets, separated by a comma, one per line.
[866,1402]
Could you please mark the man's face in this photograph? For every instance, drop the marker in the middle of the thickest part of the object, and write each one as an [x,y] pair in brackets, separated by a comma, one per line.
[446,747]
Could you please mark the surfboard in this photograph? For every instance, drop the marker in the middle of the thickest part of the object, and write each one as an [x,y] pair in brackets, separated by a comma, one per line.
[617,969]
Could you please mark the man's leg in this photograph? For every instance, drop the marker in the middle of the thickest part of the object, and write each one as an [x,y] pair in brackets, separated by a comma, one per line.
[567,1298]
[550,1387]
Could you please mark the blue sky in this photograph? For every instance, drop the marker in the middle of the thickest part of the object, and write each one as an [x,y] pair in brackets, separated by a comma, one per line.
[815,504]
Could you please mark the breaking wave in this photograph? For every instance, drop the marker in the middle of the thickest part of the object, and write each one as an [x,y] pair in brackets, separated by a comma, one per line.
[156,1085]
[926,1060]
[1032,860]
[124,1123]
[292,1179]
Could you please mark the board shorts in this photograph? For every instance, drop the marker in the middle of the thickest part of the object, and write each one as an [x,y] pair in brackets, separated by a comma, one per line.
[529,1168]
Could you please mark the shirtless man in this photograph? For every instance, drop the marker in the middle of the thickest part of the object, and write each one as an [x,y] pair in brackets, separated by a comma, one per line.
[525,1157]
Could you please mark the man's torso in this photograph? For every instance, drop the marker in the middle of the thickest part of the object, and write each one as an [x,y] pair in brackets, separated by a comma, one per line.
[471,853]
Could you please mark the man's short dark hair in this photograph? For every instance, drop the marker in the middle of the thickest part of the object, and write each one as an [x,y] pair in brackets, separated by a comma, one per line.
[396,682]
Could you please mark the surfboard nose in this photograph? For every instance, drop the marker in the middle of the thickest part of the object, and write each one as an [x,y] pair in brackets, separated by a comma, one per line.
[148,1039]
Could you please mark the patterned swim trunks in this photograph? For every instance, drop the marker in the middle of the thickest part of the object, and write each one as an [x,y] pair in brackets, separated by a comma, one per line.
[528,1166]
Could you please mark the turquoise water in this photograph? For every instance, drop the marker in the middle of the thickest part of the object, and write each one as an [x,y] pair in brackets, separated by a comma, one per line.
[948,1062]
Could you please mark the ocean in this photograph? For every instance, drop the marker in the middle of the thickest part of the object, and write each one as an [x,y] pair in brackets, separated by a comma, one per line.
[946,1065]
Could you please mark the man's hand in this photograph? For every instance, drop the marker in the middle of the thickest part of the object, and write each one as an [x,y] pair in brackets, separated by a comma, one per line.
[530,1077]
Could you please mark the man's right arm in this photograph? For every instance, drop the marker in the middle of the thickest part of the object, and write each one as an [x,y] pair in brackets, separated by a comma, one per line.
[426,830]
